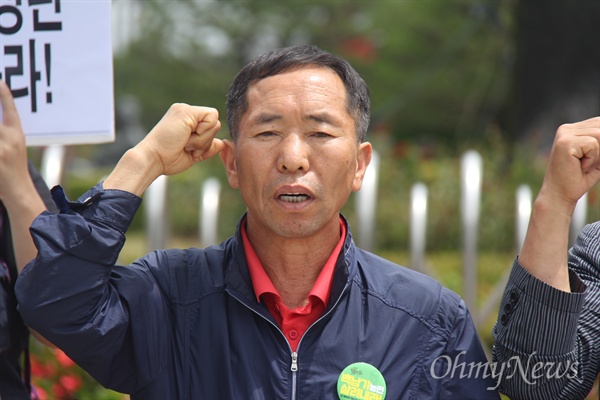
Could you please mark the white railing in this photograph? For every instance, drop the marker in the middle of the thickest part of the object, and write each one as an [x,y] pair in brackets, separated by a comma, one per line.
[209,210]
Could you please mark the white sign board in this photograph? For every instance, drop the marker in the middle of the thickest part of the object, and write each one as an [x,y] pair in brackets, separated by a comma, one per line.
[56,57]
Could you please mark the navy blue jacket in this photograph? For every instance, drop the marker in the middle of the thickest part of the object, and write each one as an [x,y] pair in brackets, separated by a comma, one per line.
[185,324]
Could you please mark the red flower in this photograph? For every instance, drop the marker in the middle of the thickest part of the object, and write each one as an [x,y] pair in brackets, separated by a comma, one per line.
[37,369]
[360,48]
[39,393]
[71,383]
[50,368]
[59,391]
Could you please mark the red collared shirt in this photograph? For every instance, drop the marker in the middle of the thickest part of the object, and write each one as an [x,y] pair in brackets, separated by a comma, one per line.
[293,323]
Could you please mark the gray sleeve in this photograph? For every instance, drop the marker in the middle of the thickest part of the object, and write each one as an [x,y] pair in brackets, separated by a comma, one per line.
[547,341]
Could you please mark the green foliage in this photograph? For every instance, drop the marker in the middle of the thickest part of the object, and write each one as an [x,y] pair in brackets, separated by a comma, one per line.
[506,167]
[437,70]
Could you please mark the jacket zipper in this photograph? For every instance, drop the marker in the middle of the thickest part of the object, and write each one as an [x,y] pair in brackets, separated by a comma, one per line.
[294,366]
[294,369]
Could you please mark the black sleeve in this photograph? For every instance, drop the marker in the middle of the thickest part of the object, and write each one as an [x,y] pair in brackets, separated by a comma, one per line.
[42,188]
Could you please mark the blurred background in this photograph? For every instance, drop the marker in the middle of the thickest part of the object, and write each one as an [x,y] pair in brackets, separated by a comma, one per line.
[446,77]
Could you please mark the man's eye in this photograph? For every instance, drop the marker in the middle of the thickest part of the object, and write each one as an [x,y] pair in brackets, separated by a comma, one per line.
[321,134]
[266,134]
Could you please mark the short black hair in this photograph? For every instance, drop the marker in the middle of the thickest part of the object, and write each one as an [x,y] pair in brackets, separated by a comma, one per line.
[285,59]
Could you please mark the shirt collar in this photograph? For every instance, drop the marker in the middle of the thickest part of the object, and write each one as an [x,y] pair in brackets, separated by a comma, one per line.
[262,283]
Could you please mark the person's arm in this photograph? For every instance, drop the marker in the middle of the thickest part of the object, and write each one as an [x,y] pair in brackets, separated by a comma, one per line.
[467,373]
[573,168]
[21,187]
[75,295]
[543,304]
[17,190]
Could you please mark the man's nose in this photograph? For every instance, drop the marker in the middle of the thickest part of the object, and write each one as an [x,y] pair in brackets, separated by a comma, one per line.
[293,154]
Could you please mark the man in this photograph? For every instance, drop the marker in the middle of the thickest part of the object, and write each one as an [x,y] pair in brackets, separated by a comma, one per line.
[549,316]
[289,307]
[22,197]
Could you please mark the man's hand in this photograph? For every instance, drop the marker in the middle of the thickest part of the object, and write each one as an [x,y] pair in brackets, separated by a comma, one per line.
[574,164]
[184,136]
[573,169]
[13,152]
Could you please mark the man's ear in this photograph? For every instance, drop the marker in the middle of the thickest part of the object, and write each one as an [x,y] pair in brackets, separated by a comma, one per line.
[363,158]
[228,157]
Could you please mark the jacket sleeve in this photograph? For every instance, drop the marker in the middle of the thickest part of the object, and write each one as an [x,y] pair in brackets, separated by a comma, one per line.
[75,296]
[464,367]
[41,187]
[548,340]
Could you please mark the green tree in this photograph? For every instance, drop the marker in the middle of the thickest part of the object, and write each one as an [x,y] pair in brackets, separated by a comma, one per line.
[436,70]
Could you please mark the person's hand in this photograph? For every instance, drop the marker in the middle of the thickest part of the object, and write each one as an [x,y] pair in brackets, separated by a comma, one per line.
[574,164]
[184,136]
[13,152]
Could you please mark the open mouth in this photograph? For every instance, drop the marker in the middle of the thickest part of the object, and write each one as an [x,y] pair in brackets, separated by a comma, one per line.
[294,197]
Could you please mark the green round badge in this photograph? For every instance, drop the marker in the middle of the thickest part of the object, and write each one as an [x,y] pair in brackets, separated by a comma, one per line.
[361,381]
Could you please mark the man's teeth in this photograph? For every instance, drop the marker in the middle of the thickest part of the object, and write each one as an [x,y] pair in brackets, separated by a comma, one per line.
[294,198]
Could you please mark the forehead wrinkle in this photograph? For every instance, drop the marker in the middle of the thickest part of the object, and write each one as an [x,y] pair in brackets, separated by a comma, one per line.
[312,91]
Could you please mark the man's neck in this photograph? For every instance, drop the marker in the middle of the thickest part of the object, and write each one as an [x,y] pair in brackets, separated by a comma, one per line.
[293,265]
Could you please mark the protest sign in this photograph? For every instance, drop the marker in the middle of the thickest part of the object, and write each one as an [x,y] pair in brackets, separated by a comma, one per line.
[56,57]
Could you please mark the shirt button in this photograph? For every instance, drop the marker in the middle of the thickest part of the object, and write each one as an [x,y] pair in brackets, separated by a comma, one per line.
[293,334]
[514,296]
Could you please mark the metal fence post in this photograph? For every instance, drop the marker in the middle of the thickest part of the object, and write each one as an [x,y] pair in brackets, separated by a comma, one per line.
[418,226]
[579,219]
[53,164]
[209,209]
[523,206]
[155,207]
[471,177]
[366,204]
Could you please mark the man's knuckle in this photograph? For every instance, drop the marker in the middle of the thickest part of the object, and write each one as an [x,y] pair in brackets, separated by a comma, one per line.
[564,129]
[177,108]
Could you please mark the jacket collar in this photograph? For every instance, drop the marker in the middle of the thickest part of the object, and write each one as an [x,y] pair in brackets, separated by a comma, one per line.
[239,283]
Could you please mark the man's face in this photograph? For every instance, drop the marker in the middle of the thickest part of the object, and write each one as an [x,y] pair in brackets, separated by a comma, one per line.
[296,159]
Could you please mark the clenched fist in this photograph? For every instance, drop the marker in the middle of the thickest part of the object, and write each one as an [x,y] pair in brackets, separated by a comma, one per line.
[184,136]
[574,164]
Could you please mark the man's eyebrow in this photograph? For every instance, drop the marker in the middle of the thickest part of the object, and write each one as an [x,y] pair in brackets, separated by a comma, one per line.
[323,118]
[266,118]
